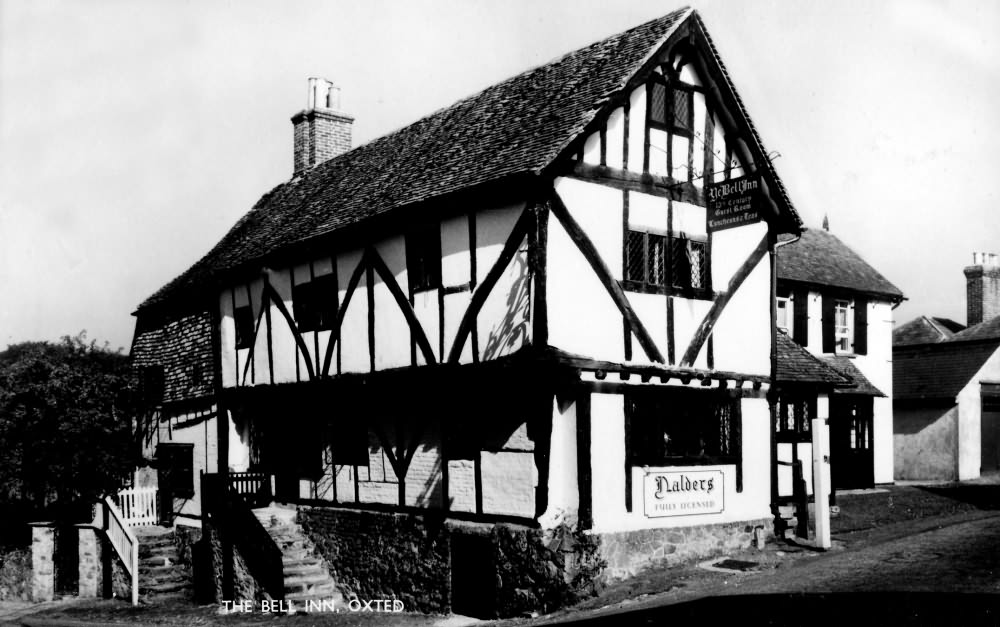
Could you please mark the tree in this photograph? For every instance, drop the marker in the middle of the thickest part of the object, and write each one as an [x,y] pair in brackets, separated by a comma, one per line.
[65,425]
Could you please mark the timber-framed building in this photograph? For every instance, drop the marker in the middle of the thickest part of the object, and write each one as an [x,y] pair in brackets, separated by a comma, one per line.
[522,314]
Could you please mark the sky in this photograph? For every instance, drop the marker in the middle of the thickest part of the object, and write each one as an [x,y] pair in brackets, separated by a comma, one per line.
[133,134]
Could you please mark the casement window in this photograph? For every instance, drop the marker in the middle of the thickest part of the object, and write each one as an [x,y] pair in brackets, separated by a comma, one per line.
[682,428]
[314,304]
[843,328]
[795,415]
[423,257]
[784,318]
[243,318]
[175,464]
[648,267]
[845,324]
[671,108]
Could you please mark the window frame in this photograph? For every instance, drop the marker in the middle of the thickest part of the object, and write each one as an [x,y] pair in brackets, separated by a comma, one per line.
[843,333]
[669,284]
[423,257]
[244,338]
[785,304]
[314,304]
[675,409]
[169,453]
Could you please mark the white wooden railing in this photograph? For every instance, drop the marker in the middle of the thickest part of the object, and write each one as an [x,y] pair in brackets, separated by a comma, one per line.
[124,543]
[138,506]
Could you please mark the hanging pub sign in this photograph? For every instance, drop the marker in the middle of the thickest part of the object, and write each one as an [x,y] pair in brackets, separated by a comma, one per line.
[683,492]
[733,203]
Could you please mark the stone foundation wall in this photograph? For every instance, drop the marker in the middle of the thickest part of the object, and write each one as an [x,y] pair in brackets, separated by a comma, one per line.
[384,555]
[629,552]
[246,587]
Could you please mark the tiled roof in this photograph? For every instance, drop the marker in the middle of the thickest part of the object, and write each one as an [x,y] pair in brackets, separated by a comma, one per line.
[515,128]
[924,330]
[941,370]
[820,258]
[797,365]
[845,366]
[986,330]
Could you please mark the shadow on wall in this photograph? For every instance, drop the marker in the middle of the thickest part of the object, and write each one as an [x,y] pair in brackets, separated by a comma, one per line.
[512,332]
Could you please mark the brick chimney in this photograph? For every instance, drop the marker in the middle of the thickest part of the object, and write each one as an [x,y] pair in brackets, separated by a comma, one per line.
[982,281]
[321,131]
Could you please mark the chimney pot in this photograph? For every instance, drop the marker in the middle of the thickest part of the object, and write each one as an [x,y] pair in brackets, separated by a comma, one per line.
[321,131]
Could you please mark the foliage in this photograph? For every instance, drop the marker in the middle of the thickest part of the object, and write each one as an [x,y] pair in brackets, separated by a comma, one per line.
[65,416]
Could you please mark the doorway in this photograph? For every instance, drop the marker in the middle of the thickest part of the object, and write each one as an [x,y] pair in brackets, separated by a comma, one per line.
[989,427]
[852,459]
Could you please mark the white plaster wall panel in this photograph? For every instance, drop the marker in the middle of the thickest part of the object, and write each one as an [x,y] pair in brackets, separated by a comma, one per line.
[882,441]
[564,491]
[607,457]
[259,370]
[652,311]
[325,487]
[283,346]
[227,337]
[689,219]
[462,485]
[242,354]
[344,480]
[688,75]
[876,364]
[646,212]
[679,157]
[493,227]
[320,340]
[392,333]
[615,137]
[573,287]
[377,483]
[592,149]
[306,359]
[455,262]
[636,131]
[504,322]
[751,504]
[455,306]
[425,306]
[688,314]
[730,248]
[658,152]
[743,331]
[969,415]
[509,482]
[204,458]
[718,150]
[239,445]
[700,113]
[424,477]
[354,355]
[785,474]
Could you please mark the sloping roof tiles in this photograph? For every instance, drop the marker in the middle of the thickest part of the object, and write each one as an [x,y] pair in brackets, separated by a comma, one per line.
[845,366]
[820,258]
[516,127]
[924,330]
[797,365]
[986,330]
[937,371]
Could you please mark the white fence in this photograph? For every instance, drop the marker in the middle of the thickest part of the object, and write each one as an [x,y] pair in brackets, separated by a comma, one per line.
[138,506]
[124,542]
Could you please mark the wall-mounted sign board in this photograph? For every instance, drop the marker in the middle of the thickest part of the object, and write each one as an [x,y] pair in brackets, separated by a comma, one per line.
[683,492]
[733,203]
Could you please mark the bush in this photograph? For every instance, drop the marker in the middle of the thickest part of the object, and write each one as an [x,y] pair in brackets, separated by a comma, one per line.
[15,575]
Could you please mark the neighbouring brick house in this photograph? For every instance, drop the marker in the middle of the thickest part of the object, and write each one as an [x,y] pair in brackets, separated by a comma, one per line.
[834,304]
[947,380]
[527,337]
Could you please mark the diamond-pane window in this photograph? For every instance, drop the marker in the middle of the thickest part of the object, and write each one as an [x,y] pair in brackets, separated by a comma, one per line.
[658,103]
[682,114]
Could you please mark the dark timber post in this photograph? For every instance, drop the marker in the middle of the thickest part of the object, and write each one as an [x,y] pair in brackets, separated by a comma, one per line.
[583,466]
[218,494]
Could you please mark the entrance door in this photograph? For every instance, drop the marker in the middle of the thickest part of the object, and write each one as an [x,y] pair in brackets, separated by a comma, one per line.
[852,462]
[989,425]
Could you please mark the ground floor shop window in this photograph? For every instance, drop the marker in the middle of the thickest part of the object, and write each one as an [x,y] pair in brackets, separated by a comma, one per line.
[682,428]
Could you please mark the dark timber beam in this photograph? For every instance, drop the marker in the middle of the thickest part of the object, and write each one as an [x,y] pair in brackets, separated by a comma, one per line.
[271,295]
[653,184]
[589,251]
[719,305]
[352,285]
[404,305]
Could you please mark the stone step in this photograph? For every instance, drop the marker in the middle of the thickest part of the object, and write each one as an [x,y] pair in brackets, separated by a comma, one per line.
[304,569]
[295,554]
[156,571]
[325,590]
[164,588]
[312,584]
[299,600]
[157,550]
[157,560]
[163,539]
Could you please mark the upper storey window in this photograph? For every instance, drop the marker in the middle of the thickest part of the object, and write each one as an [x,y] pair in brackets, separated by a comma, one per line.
[651,268]
[243,317]
[423,257]
[314,304]
[671,108]
[843,327]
